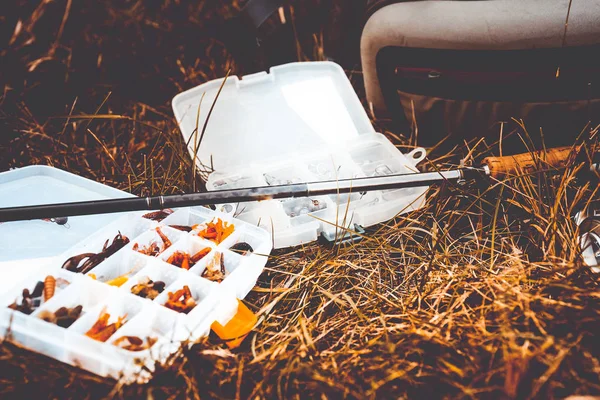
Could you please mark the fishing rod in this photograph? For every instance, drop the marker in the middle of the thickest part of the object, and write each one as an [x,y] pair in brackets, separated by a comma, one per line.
[491,167]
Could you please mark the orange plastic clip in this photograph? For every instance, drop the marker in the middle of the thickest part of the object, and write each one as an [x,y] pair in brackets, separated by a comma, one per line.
[236,330]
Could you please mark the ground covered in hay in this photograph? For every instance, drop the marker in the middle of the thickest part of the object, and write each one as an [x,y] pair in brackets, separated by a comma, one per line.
[479,294]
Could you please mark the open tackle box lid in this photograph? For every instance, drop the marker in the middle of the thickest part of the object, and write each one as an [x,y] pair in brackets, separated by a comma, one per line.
[300,122]
[38,184]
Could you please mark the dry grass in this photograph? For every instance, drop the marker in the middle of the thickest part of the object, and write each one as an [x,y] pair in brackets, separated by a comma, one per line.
[479,294]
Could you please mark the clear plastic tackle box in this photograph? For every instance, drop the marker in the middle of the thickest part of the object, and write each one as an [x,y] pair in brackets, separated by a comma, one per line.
[300,122]
[162,281]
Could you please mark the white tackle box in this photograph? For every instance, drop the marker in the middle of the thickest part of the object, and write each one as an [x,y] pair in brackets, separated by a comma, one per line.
[144,317]
[300,122]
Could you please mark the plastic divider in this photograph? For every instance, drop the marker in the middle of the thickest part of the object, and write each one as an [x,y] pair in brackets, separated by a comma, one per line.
[200,290]
[190,245]
[184,217]
[152,240]
[63,280]
[219,259]
[124,264]
[120,307]
[130,226]
[156,271]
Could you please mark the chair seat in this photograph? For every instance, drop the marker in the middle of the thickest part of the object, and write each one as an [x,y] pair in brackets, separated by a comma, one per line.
[475,25]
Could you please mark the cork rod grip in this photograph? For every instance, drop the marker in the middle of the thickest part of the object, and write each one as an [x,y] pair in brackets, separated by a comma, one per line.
[527,163]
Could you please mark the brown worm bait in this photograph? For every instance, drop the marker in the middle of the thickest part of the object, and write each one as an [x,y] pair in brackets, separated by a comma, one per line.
[90,260]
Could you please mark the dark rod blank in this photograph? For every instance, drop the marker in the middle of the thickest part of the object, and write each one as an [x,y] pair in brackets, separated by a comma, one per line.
[356,185]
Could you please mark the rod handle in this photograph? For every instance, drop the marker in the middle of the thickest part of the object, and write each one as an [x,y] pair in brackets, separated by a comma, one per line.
[526,163]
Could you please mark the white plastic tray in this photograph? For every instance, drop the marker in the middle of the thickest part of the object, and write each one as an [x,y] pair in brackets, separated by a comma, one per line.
[144,317]
[301,122]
